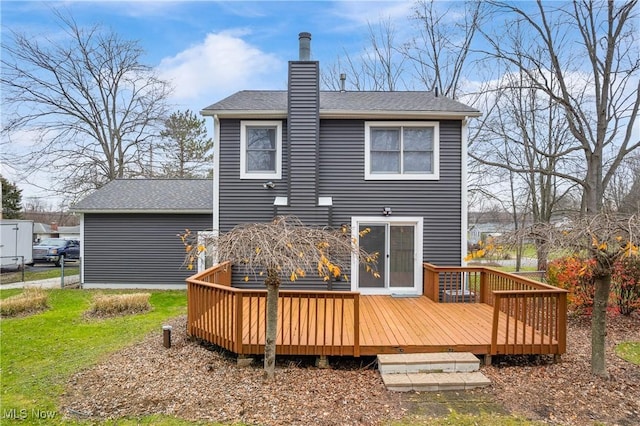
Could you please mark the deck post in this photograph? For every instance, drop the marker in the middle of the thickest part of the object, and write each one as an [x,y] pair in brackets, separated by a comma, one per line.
[244,361]
[562,323]
[238,324]
[322,361]
[484,288]
[356,325]
[190,307]
[494,326]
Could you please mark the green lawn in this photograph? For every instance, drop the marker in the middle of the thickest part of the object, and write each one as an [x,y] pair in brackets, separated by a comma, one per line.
[629,351]
[40,274]
[39,353]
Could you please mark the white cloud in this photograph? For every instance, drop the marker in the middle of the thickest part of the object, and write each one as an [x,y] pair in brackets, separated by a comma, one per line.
[221,64]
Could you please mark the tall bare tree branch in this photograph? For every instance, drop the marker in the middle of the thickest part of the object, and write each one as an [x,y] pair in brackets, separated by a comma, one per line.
[584,56]
[89,104]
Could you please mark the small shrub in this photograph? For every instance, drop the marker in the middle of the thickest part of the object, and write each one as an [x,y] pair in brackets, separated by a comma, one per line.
[625,282]
[576,275]
[31,300]
[119,304]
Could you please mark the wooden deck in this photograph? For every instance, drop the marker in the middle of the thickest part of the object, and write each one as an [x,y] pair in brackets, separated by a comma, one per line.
[526,320]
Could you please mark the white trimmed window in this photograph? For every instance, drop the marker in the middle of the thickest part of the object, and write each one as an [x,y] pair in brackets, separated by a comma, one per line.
[260,149]
[401,150]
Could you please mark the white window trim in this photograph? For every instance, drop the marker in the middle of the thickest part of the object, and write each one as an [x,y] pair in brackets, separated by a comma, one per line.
[243,150]
[416,221]
[434,175]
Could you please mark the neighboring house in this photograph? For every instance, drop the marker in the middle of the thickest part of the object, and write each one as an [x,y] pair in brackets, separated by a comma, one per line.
[394,162]
[44,230]
[41,231]
[129,231]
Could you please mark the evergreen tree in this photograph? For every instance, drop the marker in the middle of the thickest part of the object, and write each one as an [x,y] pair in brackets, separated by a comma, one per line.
[186,148]
[11,200]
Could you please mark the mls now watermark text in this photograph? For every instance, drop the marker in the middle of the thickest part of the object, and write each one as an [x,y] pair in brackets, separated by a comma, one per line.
[23,414]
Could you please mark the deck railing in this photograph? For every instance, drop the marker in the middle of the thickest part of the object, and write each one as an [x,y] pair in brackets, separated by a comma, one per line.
[310,322]
[527,314]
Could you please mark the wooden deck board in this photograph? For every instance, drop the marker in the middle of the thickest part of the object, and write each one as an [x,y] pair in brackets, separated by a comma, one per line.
[529,317]
[387,325]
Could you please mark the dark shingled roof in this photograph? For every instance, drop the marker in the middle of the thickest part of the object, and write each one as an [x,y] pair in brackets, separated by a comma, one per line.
[150,196]
[346,102]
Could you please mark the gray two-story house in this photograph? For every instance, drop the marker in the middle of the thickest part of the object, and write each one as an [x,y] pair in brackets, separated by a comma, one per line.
[394,162]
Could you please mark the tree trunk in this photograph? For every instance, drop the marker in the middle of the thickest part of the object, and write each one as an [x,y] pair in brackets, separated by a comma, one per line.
[542,252]
[599,325]
[272,326]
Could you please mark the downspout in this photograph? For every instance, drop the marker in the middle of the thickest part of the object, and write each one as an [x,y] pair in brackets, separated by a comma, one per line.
[82,245]
[216,177]
[464,220]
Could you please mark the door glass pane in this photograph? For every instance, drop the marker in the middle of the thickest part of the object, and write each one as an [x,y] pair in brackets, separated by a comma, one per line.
[373,242]
[401,256]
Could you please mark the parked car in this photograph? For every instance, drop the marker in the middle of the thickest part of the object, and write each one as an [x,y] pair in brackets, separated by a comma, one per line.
[56,250]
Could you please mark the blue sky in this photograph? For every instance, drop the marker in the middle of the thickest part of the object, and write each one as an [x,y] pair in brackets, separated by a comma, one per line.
[210,49]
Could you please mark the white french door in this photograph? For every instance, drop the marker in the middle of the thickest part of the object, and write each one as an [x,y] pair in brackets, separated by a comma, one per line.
[398,242]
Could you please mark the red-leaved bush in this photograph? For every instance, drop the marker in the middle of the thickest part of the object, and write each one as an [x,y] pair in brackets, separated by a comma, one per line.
[625,282]
[574,274]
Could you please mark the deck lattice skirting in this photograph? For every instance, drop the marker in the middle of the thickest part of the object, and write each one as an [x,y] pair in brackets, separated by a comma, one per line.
[463,309]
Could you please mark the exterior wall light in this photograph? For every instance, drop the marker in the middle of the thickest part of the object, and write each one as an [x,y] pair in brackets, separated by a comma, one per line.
[269,185]
[386,211]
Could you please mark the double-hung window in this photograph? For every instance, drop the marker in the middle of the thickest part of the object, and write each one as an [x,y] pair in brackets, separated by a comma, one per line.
[401,150]
[260,149]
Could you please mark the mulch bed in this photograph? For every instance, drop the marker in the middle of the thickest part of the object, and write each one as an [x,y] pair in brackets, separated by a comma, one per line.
[195,382]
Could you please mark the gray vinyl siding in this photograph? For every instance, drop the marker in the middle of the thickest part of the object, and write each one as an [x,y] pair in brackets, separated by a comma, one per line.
[438,201]
[137,249]
[341,176]
[303,134]
[246,200]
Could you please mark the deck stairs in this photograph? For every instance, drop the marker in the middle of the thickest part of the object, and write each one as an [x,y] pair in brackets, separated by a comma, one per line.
[431,371]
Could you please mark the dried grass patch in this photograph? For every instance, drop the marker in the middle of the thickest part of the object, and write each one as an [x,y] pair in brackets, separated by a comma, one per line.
[108,305]
[31,300]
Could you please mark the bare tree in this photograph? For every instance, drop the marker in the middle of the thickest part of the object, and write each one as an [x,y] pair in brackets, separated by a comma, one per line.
[623,194]
[526,136]
[584,56]
[283,249]
[379,67]
[440,51]
[90,103]
[605,238]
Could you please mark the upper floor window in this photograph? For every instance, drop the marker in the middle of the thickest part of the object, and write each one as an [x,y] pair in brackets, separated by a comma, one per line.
[401,150]
[260,149]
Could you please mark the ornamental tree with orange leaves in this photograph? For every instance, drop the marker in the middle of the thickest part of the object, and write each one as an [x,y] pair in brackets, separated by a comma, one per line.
[283,249]
[604,238]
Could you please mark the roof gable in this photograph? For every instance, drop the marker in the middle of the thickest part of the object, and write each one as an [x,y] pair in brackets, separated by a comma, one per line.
[150,196]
